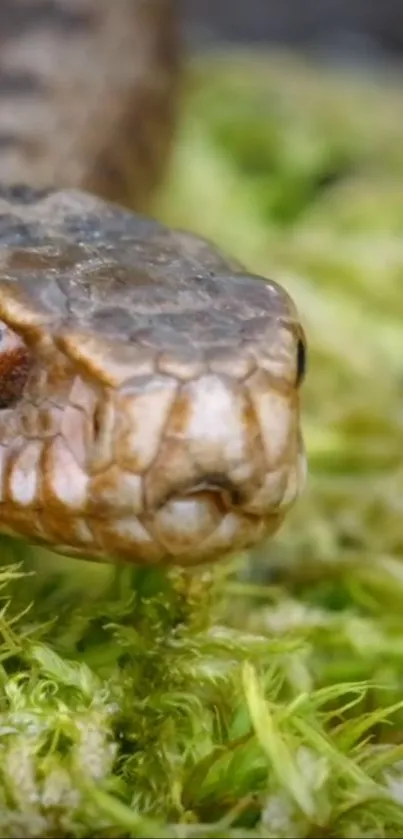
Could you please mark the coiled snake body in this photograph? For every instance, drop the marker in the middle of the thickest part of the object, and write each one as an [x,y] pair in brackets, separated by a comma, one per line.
[149,387]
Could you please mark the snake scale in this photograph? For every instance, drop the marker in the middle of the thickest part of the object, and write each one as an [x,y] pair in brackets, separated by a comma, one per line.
[149,386]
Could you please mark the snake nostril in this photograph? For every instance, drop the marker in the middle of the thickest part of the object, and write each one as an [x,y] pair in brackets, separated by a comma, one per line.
[96,423]
[102,431]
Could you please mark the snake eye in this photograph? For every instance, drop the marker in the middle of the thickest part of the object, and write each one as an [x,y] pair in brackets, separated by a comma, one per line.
[15,366]
[301,361]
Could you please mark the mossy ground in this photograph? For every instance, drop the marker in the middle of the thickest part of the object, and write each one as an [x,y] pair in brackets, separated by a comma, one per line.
[265,699]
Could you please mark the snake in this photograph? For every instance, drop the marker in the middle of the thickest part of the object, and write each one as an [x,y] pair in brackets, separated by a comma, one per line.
[149,384]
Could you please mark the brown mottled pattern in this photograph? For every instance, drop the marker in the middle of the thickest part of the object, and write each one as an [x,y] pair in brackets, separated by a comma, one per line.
[88,94]
[149,387]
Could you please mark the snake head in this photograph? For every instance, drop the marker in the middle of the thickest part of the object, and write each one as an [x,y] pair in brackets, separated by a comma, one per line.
[155,413]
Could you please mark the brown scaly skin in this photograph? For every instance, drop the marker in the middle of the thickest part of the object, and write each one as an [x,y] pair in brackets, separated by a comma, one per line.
[149,401]
[88,94]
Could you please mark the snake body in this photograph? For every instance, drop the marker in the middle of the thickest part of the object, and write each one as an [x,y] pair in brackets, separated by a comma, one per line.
[149,387]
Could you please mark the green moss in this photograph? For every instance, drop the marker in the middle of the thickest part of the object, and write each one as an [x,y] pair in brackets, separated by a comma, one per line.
[263,698]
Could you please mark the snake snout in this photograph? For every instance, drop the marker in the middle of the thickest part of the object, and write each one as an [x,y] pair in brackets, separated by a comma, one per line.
[198,469]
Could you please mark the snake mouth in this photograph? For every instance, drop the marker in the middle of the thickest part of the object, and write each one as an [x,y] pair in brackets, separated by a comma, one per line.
[214,483]
[200,522]
[186,530]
